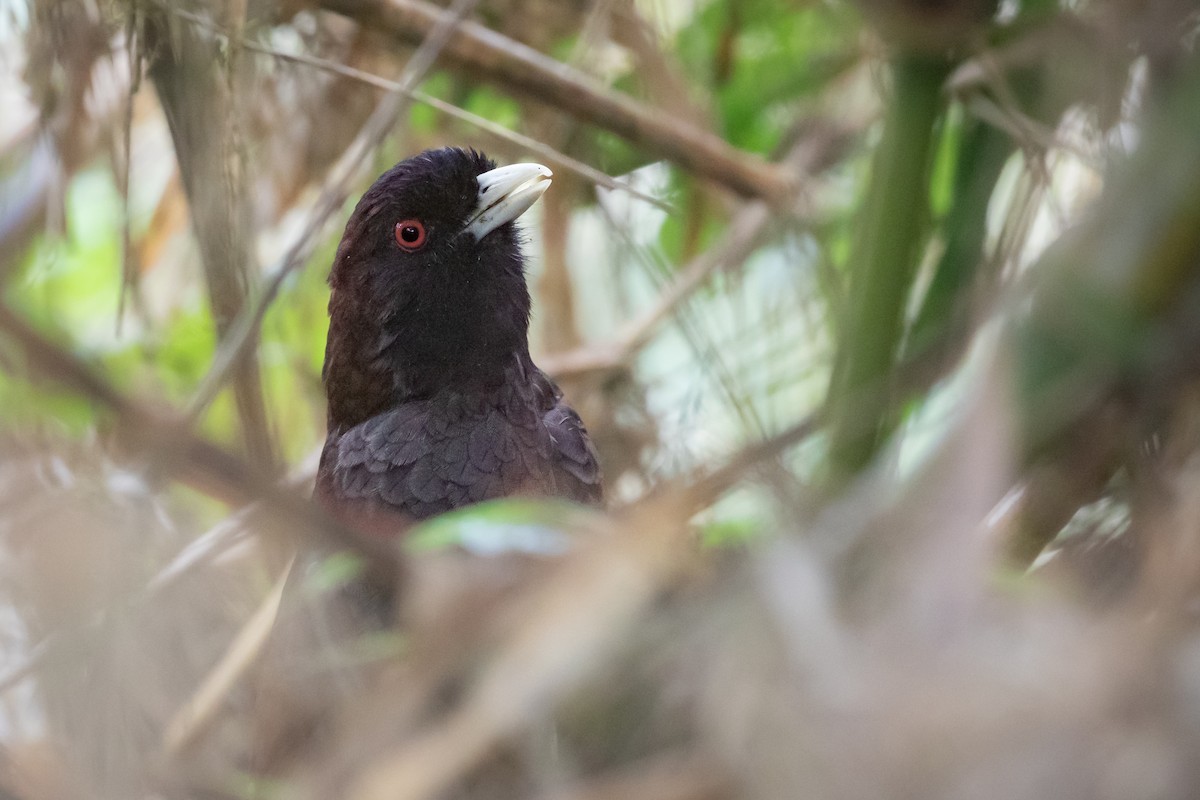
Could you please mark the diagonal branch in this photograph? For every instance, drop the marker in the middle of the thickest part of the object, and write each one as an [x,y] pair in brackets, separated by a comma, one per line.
[157,436]
[488,55]
[541,150]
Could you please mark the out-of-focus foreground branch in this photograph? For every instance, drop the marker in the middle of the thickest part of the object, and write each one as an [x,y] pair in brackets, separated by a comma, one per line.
[157,439]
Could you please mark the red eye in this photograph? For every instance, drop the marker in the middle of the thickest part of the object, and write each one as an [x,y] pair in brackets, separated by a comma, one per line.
[410,234]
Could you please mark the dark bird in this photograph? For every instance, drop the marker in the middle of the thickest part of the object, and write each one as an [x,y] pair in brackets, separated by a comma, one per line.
[434,402]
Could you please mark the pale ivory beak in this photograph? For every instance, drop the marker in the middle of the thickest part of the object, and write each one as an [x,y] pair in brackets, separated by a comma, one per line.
[505,194]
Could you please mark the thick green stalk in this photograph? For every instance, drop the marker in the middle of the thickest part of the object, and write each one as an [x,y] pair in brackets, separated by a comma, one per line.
[883,264]
[981,157]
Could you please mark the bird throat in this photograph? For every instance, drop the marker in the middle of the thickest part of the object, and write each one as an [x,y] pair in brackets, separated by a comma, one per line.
[372,364]
[458,351]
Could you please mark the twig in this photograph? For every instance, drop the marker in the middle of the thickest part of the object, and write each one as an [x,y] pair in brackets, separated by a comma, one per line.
[745,231]
[485,54]
[710,485]
[205,547]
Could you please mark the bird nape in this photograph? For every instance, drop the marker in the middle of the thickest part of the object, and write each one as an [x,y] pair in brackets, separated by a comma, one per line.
[434,402]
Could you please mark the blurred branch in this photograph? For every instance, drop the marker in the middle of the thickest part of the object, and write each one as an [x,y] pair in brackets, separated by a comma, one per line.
[197,100]
[483,53]
[159,438]
[1113,317]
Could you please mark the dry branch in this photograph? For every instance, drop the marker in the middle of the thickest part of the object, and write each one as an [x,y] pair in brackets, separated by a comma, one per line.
[485,54]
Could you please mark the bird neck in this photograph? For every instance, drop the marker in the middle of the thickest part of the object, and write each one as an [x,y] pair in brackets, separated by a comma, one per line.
[374,364]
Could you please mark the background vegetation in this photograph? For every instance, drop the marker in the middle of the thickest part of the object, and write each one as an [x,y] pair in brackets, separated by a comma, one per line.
[868,306]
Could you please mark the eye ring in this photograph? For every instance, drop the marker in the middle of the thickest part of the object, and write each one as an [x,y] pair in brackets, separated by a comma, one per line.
[410,235]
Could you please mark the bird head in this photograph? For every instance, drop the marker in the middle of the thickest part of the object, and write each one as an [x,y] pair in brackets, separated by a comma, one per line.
[428,284]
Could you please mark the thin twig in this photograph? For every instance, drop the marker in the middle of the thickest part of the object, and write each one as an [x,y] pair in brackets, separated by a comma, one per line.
[745,232]
[543,151]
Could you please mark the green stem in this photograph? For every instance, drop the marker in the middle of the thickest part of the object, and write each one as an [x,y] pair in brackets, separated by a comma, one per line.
[883,265]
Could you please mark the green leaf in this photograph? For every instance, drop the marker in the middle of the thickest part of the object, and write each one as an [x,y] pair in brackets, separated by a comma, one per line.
[539,527]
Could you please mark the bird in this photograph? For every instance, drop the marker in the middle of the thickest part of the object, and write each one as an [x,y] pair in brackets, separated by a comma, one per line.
[434,402]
